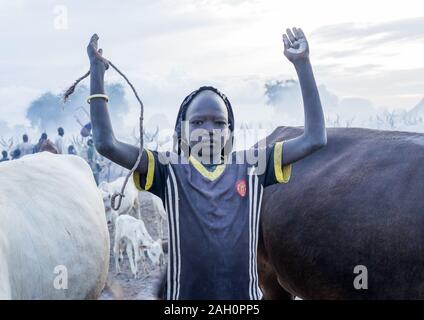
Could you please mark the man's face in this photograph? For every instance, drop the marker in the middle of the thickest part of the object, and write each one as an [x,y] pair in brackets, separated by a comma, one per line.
[208,127]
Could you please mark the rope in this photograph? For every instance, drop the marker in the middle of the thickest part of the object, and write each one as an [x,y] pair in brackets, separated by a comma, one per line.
[116,205]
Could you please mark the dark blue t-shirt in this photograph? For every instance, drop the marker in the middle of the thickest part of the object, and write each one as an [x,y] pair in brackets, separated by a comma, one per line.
[213,220]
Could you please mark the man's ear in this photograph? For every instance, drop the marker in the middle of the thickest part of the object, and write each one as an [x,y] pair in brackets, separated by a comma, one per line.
[185,137]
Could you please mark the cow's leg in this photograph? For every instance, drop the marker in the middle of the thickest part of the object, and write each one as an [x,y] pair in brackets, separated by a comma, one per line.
[136,208]
[114,216]
[117,268]
[268,281]
[136,247]
[143,260]
[133,263]
[117,254]
[161,288]
[270,286]
[160,227]
[161,260]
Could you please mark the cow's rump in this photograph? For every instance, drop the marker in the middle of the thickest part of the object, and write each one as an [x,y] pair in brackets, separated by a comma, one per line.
[358,201]
[52,223]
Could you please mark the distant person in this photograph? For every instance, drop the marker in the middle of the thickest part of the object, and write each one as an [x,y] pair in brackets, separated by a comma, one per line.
[4,156]
[40,142]
[71,150]
[59,140]
[44,144]
[16,154]
[25,146]
[91,151]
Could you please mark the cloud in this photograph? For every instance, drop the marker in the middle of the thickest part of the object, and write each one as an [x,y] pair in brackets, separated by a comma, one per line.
[391,31]
[14,101]
[168,49]
[364,68]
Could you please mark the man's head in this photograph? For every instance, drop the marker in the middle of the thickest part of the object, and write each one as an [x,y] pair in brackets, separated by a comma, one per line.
[90,142]
[25,137]
[4,154]
[44,136]
[16,154]
[205,123]
[71,149]
[60,131]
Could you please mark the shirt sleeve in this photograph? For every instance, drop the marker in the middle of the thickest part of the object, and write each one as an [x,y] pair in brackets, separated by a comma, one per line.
[275,172]
[155,179]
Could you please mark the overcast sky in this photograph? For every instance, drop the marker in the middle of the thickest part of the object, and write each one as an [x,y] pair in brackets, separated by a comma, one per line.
[364,49]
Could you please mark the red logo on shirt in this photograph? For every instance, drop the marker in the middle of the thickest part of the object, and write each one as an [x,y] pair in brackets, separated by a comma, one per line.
[241,187]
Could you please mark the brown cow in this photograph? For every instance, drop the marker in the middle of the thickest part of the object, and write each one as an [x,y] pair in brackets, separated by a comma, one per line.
[357,202]
[47,145]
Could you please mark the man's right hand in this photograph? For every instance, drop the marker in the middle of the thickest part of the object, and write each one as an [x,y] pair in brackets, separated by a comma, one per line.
[95,55]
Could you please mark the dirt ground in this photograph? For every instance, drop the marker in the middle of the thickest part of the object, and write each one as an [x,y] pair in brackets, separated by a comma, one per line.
[123,286]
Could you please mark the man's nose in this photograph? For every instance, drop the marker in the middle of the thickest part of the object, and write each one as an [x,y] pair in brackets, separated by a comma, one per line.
[209,128]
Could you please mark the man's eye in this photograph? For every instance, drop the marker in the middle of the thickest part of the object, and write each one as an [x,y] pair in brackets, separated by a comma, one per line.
[197,122]
[221,123]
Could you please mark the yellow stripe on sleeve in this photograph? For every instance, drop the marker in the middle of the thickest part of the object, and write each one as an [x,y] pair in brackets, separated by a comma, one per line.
[150,173]
[150,170]
[282,173]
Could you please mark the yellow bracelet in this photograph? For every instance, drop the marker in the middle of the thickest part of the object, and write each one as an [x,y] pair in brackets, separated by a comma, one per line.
[97,96]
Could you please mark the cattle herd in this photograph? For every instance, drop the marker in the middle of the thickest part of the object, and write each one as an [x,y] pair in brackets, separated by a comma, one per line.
[355,205]
[54,235]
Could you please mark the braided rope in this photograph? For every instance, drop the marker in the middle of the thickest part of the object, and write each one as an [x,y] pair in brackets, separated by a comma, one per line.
[116,205]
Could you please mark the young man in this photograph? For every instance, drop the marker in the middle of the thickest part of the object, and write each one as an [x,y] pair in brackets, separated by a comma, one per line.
[4,155]
[25,146]
[71,150]
[41,141]
[212,195]
[44,144]
[59,140]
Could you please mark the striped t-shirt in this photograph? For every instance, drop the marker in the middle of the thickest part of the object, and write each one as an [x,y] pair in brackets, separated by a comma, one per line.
[213,220]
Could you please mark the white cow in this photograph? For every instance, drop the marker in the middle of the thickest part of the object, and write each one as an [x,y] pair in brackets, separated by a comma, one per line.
[132,236]
[130,203]
[54,241]
[155,253]
[153,204]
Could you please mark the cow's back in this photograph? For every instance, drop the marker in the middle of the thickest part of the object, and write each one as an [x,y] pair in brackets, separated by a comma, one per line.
[53,218]
[358,201]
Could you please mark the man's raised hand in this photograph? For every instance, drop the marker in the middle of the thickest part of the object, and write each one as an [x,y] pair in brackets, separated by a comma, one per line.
[94,54]
[296,46]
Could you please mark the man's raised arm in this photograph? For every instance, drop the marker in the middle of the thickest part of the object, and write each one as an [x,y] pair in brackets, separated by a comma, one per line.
[296,50]
[104,139]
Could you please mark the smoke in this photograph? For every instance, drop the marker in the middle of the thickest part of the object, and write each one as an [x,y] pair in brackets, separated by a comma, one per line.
[48,112]
[14,132]
[4,128]
[286,96]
